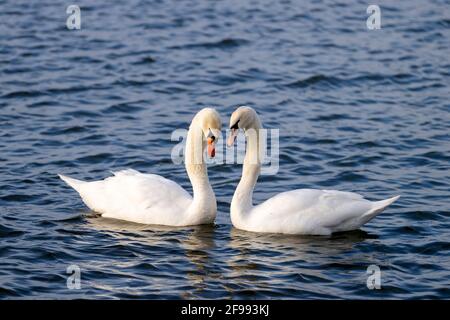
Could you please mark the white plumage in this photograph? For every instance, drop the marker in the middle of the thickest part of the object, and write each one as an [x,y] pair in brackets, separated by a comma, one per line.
[152,199]
[310,211]
[302,211]
[134,196]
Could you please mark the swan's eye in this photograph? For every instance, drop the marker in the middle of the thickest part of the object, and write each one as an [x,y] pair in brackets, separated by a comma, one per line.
[210,136]
[235,126]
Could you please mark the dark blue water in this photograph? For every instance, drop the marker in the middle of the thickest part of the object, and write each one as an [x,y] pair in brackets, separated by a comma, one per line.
[358,110]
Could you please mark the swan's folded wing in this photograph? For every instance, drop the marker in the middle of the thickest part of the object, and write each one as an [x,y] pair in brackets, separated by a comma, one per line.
[310,211]
[290,202]
[342,208]
[136,196]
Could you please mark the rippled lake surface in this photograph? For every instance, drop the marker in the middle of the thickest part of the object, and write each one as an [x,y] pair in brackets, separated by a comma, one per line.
[358,110]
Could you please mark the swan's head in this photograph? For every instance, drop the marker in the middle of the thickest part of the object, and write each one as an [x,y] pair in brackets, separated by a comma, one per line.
[242,118]
[208,119]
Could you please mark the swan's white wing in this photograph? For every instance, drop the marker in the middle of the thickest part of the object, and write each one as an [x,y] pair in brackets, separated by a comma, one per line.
[134,196]
[309,211]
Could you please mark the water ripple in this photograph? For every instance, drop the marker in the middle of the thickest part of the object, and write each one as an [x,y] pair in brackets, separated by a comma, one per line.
[358,110]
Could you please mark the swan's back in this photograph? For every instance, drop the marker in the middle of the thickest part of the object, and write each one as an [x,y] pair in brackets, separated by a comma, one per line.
[310,211]
[134,196]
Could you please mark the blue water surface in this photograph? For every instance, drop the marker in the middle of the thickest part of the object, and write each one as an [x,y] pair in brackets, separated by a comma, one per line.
[358,110]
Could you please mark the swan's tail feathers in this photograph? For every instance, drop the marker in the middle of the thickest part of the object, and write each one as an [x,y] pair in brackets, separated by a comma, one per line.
[74,183]
[379,206]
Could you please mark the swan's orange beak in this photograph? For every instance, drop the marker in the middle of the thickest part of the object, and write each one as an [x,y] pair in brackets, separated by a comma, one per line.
[211,147]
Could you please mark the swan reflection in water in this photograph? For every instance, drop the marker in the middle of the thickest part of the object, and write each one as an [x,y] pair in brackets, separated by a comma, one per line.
[263,264]
[164,257]
[200,259]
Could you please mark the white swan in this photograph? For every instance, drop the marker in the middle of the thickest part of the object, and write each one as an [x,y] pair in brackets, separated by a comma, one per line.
[151,199]
[302,211]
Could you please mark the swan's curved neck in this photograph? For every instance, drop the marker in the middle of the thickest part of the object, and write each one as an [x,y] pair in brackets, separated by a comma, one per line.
[203,194]
[243,196]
